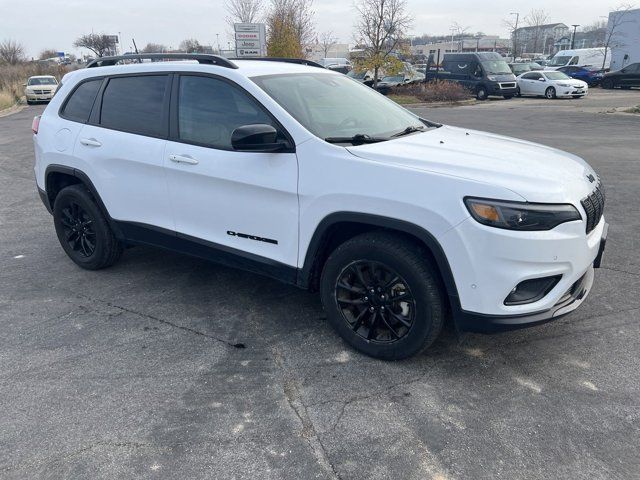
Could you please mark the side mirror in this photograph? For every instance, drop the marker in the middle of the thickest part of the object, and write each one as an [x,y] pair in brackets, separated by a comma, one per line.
[541,79]
[257,137]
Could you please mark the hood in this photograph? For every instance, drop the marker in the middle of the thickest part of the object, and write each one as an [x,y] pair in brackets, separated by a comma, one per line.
[535,172]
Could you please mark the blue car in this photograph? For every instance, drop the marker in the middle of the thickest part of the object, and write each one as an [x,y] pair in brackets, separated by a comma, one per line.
[592,77]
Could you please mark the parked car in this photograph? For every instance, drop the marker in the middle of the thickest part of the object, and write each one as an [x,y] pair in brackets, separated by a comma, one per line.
[581,57]
[365,77]
[40,88]
[592,77]
[627,77]
[484,73]
[387,83]
[551,84]
[326,62]
[301,174]
[520,68]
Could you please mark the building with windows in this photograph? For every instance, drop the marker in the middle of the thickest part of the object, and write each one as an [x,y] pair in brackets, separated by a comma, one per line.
[488,43]
[541,39]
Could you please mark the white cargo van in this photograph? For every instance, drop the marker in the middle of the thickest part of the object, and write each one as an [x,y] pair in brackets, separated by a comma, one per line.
[581,57]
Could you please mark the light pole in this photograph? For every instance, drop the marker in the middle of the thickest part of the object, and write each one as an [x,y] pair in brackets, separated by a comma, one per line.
[515,35]
[218,42]
[573,37]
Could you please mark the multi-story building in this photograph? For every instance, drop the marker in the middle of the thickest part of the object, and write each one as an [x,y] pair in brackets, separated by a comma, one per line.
[540,39]
[488,43]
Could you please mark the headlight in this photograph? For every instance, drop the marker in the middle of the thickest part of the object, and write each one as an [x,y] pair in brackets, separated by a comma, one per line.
[491,78]
[520,215]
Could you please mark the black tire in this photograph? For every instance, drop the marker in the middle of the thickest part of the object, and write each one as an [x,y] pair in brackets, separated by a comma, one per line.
[391,258]
[518,94]
[83,230]
[608,84]
[481,93]
[550,93]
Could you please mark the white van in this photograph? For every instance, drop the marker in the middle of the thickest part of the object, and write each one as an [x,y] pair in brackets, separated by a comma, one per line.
[581,57]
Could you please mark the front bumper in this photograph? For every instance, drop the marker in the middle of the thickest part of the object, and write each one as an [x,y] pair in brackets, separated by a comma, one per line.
[34,97]
[487,263]
[503,88]
[565,92]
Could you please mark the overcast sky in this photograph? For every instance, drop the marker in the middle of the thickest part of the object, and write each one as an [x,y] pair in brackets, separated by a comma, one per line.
[40,24]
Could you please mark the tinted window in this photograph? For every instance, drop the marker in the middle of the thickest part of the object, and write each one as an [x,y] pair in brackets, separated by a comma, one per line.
[78,106]
[209,110]
[135,104]
[532,76]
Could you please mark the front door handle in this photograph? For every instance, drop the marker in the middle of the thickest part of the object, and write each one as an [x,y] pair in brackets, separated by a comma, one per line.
[183,159]
[90,142]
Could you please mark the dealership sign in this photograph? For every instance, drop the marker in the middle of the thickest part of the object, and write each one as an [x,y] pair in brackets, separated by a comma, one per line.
[251,39]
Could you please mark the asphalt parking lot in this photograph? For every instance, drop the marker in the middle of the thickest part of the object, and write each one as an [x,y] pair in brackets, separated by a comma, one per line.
[164,366]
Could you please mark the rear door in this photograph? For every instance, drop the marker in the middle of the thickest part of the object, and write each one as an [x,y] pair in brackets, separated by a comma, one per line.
[122,148]
[246,201]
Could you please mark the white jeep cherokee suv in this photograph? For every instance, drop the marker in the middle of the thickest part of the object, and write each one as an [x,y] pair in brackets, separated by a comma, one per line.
[302,174]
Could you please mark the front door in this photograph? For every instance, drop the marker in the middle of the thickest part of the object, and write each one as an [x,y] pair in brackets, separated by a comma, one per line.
[243,201]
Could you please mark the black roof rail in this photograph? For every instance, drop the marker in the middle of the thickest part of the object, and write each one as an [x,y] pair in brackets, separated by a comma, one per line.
[203,58]
[299,61]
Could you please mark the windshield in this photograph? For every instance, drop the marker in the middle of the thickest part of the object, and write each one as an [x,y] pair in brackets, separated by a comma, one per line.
[394,78]
[496,67]
[331,105]
[556,75]
[559,61]
[43,81]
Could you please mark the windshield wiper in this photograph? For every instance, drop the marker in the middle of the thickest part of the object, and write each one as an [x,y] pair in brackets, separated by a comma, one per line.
[408,130]
[358,139]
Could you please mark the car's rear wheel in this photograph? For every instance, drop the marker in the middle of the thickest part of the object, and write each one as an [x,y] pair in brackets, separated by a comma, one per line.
[550,93]
[382,295]
[82,229]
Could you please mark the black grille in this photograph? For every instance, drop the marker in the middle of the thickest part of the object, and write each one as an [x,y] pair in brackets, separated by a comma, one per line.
[594,206]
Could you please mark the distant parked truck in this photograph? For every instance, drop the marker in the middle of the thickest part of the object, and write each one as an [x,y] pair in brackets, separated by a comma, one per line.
[483,73]
[592,58]
[625,47]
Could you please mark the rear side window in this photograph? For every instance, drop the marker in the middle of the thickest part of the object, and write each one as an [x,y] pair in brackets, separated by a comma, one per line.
[135,104]
[78,106]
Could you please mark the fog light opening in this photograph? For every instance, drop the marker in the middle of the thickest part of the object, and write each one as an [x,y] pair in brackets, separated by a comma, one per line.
[529,291]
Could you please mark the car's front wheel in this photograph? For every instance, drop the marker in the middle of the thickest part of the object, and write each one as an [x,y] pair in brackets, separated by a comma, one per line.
[550,93]
[481,93]
[82,229]
[608,83]
[383,296]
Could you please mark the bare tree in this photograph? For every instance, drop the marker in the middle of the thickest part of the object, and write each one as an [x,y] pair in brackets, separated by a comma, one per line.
[154,48]
[191,45]
[290,27]
[381,25]
[536,19]
[98,43]
[512,25]
[243,11]
[616,18]
[326,41]
[11,52]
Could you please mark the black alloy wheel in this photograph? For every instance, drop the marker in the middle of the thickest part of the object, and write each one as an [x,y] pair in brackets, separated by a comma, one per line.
[375,301]
[78,229]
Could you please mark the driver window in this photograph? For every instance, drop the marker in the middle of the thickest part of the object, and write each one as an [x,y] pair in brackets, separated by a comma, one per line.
[209,110]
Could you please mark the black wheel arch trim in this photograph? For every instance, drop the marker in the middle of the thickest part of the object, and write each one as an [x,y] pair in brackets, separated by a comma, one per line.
[86,181]
[423,235]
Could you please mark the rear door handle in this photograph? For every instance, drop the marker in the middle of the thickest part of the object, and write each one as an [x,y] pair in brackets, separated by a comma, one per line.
[183,159]
[90,142]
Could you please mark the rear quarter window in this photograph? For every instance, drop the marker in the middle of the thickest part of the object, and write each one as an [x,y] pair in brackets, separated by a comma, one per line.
[78,106]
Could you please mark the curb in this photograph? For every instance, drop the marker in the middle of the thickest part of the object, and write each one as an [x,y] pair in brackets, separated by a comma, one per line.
[471,101]
[18,107]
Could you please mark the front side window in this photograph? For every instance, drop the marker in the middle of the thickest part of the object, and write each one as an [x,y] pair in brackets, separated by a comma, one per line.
[78,106]
[559,61]
[331,105]
[135,104]
[209,110]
